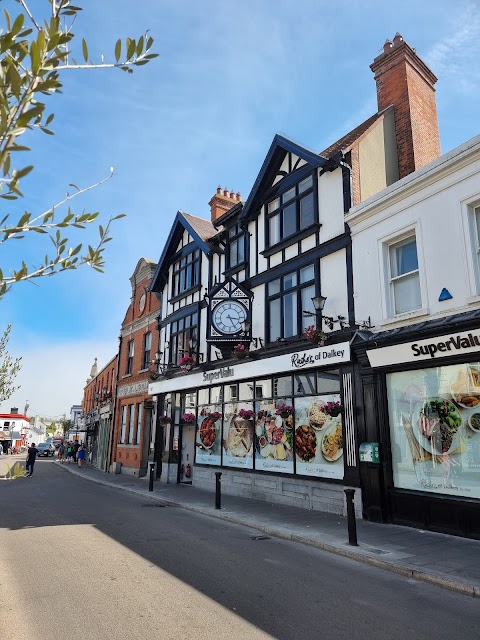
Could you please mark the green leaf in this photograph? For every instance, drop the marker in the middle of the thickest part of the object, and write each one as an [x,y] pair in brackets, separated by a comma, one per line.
[140,46]
[85,50]
[118,50]
[131,46]
[23,172]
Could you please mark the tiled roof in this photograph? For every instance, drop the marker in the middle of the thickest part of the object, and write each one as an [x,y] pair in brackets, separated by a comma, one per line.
[204,228]
[350,138]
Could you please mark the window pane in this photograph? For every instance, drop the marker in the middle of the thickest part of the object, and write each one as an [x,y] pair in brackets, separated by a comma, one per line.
[288,195]
[139,422]
[274,287]
[403,257]
[307,274]
[406,293]
[289,281]
[233,253]
[304,384]
[307,212]
[290,315]
[241,249]
[275,319]
[148,341]
[274,234]
[289,220]
[232,232]
[307,305]
[328,382]
[305,184]
[273,205]
[477,223]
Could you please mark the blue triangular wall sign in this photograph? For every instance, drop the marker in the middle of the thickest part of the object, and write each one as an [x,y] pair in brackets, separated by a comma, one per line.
[445,295]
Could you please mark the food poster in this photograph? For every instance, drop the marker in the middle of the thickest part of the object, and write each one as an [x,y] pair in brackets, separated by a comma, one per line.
[435,429]
[274,422]
[318,437]
[209,436]
[238,435]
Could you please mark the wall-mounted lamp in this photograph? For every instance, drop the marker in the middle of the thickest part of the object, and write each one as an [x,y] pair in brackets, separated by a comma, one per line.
[330,321]
[159,363]
[246,328]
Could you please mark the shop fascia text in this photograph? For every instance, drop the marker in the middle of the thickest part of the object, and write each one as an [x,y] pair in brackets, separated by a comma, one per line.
[224,372]
[307,359]
[454,343]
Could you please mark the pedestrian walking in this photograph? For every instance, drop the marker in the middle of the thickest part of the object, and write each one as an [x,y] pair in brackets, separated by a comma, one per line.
[81,455]
[76,447]
[69,452]
[31,457]
[61,453]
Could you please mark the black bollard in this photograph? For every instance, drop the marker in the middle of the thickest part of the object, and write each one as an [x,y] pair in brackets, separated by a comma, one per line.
[152,471]
[218,489]
[352,525]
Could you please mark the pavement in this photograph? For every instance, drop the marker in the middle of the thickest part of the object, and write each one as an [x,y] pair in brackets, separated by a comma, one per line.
[448,561]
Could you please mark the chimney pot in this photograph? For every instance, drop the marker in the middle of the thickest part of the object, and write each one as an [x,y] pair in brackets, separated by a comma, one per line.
[397,39]
[225,193]
[387,46]
[239,197]
[219,190]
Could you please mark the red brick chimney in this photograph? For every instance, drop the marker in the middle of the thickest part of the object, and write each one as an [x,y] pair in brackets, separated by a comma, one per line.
[404,81]
[222,201]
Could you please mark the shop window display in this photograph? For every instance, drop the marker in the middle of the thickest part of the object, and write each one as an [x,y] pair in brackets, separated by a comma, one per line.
[435,429]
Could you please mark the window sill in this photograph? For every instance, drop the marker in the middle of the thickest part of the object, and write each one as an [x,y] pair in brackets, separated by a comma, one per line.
[406,316]
[473,300]
[287,242]
[143,370]
[184,294]
[127,375]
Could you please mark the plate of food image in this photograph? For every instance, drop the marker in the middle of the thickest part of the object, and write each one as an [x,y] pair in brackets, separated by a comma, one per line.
[305,443]
[317,418]
[332,442]
[436,424]
[207,433]
[465,388]
[240,437]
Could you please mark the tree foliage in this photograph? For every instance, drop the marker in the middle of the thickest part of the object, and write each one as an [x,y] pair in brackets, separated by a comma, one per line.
[67,424]
[33,55]
[9,368]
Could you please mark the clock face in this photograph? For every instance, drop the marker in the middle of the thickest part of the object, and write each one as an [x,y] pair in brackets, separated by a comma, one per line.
[228,316]
[141,303]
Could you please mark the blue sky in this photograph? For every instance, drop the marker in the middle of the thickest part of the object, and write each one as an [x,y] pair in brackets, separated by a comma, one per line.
[230,75]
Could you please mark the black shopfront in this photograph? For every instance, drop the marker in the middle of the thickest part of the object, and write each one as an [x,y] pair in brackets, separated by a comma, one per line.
[419,387]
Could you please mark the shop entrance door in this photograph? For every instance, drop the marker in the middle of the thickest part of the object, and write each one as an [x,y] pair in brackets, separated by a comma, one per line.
[187,453]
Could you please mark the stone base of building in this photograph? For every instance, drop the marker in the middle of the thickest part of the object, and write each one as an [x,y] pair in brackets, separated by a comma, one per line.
[129,471]
[295,492]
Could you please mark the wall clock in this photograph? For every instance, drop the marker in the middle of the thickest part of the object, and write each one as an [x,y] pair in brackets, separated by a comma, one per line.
[227,317]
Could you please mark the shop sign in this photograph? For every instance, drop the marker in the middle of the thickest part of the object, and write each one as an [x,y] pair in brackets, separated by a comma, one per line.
[369,452]
[429,349]
[132,389]
[297,361]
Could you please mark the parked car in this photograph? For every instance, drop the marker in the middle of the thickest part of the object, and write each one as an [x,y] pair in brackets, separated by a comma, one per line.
[45,449]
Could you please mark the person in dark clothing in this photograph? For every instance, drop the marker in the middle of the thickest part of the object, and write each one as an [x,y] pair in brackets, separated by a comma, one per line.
[31,457]
[76,447]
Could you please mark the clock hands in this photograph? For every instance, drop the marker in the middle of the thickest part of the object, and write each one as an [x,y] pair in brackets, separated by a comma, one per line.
[231,320]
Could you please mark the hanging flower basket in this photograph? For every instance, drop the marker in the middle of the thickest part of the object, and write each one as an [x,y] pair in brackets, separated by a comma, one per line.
[333,409]
[284,410]
[214,415]
[186,363]
[240,351]
[246,414]
[165,419]
[154,375]
[188,418]
[317,336]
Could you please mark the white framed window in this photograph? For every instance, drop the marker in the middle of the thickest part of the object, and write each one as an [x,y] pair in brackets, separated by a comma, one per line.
[131,423]
[405,291]
[471,229]
[139,422]
[124,424]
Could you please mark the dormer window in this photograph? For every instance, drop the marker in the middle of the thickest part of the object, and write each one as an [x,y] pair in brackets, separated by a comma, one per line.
[236,246]
[291,212]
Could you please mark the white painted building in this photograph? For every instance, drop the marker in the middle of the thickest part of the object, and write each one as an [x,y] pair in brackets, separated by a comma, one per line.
[416,265]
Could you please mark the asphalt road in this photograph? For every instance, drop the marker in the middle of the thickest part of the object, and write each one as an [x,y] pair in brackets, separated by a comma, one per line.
[79,560]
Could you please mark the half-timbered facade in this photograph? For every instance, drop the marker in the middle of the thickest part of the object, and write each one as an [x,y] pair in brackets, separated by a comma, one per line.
[258,311]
